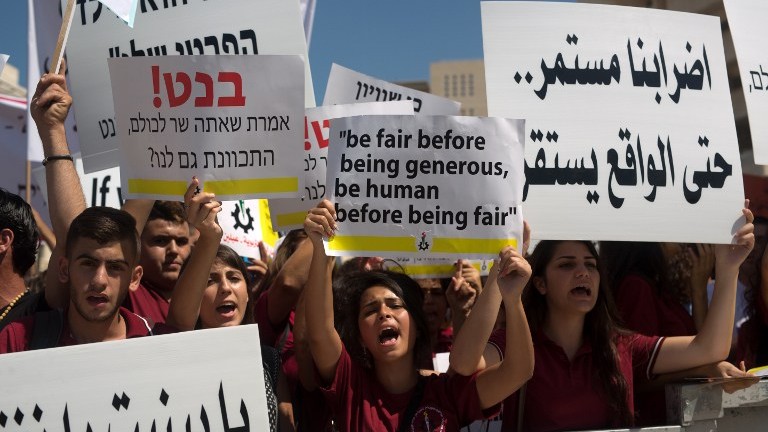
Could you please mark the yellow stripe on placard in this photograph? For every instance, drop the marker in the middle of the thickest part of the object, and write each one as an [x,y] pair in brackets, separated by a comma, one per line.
[460,245]
[378,243]
[268,234]
[288,219]
[417,270]
[452,245]
[252,186]
[157,187]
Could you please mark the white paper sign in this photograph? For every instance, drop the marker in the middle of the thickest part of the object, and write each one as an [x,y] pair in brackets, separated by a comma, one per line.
[246,223]
[629,125]
[192,27]
[144,383]
[13,175]
[100,188]
[746,19]
[232,121]
[288,214]
[425,185]
[431,267]
[346,86]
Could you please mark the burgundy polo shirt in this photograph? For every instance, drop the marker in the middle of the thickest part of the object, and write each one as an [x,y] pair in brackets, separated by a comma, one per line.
[16,336]
[148,303]
[562,394]
[643,310]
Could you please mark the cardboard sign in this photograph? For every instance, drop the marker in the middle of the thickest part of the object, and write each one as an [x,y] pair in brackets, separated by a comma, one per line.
[629,125]
[288,214]
[746,19]
[161,382]
[232,121]
[193,27]
[425,186]
[347,86]
[246,223]
[100,188]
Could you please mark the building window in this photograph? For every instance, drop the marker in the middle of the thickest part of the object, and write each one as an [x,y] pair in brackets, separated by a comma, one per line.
[463,85]
[471,84]
[446,83]
[454,85]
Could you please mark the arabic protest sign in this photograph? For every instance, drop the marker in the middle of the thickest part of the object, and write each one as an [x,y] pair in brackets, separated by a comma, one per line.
[746,19]
[288,214]
[629,125]
[109,386]
[347,86]
[100,188]
[424,186]
[246,223]
[192,27]
[232,121]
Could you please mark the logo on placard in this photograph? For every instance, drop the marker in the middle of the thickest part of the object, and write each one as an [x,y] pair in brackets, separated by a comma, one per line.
[423,244]
[238,223]
[428,419]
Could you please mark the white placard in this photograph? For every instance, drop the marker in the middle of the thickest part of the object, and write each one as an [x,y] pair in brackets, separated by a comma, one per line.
[746,20]
[232,121]
[100,188]
[191,27]
[13,175]
[246,223]
[426,186]
[139,384]
[288,214]
[346,86]
[629,125]
[431,267]
[3,61]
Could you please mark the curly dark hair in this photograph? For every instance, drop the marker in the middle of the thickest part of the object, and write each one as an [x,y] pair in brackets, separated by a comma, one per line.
[349,288]
[16,215]
[600,329]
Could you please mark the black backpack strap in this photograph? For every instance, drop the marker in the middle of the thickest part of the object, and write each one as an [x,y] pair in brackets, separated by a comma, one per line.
[47,329]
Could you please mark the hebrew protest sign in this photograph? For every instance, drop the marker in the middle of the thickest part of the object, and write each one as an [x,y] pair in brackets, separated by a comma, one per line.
[289,213]
[629,124]
[193,27]
[109,385]
[246,223]
[746,20]
[232,121]
[347,86]
[424,186]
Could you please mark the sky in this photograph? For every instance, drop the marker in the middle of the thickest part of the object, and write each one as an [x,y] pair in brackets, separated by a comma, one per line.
[394,40]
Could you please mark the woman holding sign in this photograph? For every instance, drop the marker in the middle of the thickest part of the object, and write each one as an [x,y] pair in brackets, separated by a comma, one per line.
[367,369]
[212,291]
[586,365]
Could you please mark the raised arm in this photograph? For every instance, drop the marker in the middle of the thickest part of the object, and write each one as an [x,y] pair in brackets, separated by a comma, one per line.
[462,293]
[49,107]
[140,210]
[284,291]
[324,341]
[495,383]
[201,209]
[713,342]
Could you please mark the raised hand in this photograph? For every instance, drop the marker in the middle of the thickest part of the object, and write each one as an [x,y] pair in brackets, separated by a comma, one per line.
[732,255]
[51,102]
[202,208]
[514,272]
[320,221]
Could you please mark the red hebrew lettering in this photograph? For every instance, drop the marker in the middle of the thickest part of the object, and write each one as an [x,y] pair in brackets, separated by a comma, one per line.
[186,88]
[307,144]
[157,102]
[322,141]
[207,99]
[238,99]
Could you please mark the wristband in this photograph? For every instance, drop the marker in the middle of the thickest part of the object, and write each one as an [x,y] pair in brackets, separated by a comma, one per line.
[57,157]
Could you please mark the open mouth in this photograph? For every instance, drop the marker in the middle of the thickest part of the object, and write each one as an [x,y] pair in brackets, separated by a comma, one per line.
[388,336]
[226,309]
[581,291]
[97,300]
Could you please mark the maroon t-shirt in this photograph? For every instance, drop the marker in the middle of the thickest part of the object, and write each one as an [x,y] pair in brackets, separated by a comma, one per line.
[562,394]
[360,403]
[15,337]
[148,303]
[643,310]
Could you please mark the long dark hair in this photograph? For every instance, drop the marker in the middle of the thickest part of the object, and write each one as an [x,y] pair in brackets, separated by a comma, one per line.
[620,259]
[227,256]
[349,288]
[600,330]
